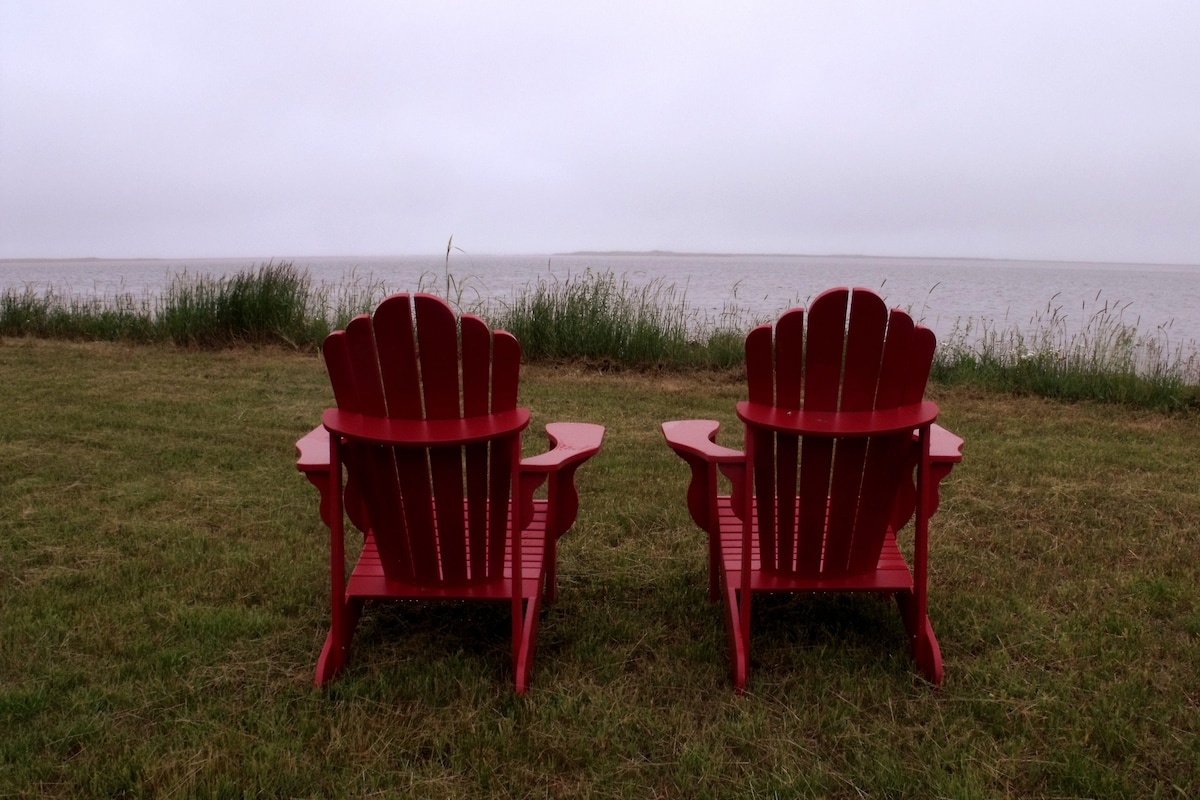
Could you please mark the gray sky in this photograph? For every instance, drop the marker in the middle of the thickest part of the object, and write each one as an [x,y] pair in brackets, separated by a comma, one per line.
[1044,130]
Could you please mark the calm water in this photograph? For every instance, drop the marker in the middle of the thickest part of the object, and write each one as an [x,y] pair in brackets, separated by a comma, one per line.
[1160,300]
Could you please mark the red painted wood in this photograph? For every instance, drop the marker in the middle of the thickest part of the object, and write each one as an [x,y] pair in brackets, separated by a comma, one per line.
[428,430]
[789,359]
[762,456]
[476,367]
[816,461]
[884,469]
[394,324]
[437,350]
[364,365]
[341,376]
[823,351]
[838,424]
[832,442]
[694,440]
[760,365]
[782,553]
[896,356]
[506,357]
[864,334]
[572,444]
[698,437]
[920,363]
[425,433]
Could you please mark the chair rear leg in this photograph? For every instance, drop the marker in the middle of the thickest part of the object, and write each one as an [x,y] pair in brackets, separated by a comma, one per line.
[336,651]
[525,642]
[928,655]
[923,644]
[739,639]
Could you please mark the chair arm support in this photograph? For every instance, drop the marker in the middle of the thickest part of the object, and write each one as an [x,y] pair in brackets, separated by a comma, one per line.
[312,451]
[694,440]
[945,450]
[313,461]
[571,443]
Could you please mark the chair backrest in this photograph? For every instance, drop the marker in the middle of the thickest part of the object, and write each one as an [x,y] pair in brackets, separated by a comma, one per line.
[824,504]
[440,515]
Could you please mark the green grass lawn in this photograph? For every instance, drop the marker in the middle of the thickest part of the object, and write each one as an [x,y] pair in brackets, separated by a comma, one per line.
[163,600]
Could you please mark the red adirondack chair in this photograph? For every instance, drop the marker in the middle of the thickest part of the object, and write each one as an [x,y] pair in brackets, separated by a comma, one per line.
[429,432]
[835,427]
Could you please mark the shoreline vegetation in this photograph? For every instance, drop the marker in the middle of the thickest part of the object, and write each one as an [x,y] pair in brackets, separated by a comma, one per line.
[601,319]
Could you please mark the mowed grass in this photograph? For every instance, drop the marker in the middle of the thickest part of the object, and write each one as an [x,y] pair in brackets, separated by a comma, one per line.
[163,600]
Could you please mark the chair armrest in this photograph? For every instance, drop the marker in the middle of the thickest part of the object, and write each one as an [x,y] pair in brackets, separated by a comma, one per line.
[570,442]
[697,437]
[312,451]
[944,446]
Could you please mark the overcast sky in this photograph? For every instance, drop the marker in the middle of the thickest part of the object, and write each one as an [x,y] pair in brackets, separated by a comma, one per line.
[1043,130]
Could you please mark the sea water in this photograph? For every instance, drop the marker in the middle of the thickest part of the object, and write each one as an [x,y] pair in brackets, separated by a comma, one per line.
[1162,301]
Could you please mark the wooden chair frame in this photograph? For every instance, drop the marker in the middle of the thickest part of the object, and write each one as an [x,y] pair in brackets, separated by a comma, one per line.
[742,558]
[404,452]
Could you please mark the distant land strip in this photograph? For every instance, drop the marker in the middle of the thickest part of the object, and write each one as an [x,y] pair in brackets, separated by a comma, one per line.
[698,254]
[688,254]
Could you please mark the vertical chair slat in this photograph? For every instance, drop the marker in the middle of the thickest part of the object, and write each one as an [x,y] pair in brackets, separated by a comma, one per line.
[476,366]
[506,371]
[394,324]
[897,352]
[437,338]
[824,350]
[845,487]
[446,470]
[760,365]
[865,334]
[789,359]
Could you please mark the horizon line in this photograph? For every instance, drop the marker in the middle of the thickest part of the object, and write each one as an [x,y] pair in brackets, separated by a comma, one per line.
[655,253]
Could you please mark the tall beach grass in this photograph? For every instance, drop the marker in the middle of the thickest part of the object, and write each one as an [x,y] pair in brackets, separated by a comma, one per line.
[275,303]
[600,319]
[604,320]
[52,315]
[1095,355]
